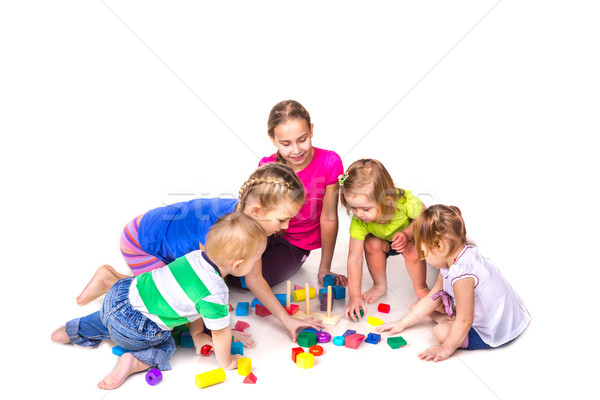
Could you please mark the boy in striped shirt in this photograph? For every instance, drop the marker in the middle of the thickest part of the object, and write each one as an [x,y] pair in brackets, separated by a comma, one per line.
[138,313]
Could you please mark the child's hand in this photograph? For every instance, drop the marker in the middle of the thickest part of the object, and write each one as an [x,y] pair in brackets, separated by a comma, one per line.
[392,328]
[354,306]
[243,337]
[435,354]
[294,325]
[234,361]
[400,241]
[339,279]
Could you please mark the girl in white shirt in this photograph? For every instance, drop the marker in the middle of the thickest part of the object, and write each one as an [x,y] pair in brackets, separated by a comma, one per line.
[482,309]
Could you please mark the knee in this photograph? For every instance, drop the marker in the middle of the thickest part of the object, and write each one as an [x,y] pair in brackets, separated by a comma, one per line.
[373,245]
[410,254]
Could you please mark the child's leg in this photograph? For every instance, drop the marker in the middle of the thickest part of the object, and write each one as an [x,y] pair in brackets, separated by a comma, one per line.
[417,270]
[126,366]
[375,251]
[101,282]
[85,331]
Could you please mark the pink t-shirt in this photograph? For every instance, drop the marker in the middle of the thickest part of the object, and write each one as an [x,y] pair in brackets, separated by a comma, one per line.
[323,170]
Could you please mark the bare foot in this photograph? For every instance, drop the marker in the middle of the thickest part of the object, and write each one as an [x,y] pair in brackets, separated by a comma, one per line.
[126,366]
[371,295]
[60,335]
[243,337]
[102,281]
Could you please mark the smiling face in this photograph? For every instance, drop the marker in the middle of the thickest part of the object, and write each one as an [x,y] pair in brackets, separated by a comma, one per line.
[293,140]
[362,207]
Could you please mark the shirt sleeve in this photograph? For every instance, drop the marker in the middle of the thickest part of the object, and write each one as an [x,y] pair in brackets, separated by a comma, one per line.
[411,205]
[266,160]
[214,310]
[335,168]
[358,229]
[461,271]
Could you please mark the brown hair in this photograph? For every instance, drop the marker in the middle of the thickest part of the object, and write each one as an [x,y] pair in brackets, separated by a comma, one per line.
[437,222]
[283,112]
[271,184]
[369,177]
[235,236]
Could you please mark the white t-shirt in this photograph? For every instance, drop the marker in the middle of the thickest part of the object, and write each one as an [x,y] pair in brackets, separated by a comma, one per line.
[500,314]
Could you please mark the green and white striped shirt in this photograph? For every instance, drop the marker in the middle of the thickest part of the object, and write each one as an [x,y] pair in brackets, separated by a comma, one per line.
[183,291]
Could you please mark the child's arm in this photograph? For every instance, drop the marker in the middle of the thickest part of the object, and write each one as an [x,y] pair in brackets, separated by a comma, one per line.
[425,307]
[402,238]
[222,348]
[355,267]
[464,294]
[329,228]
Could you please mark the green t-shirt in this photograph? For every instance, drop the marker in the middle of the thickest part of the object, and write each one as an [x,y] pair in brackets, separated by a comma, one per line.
[407,208]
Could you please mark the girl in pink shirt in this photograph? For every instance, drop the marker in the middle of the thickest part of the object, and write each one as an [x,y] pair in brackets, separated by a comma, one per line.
[316,225]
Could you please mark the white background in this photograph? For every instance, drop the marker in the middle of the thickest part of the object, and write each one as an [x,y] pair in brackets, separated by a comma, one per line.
[108,109]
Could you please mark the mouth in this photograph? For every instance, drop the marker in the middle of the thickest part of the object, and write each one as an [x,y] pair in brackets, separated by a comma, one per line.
[298,158]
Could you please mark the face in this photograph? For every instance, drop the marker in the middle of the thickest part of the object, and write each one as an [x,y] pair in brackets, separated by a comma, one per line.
[435,257]
[274,219]
[246,266]
[362,207]
[294,142]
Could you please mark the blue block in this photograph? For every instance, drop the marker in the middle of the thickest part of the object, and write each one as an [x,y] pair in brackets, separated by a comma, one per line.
[329,280]
[373,338]
[349,332]
[242,308]
[313,330]
[339,292]
[243,282]
[237,348]
[279,296]
[339,340]
[185,340]
[119,351]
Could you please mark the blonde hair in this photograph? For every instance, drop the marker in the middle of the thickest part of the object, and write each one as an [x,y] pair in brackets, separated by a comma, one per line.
[235,236]
[283,112]
[369,177]
[271,184]
[437,222]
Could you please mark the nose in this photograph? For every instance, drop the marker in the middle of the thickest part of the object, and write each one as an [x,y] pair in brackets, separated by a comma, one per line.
[295,148]
[285,225]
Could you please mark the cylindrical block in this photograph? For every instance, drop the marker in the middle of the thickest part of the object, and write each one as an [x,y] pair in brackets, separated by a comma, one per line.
[300,294]
[305,360]
[339,340]
[153,377]
[323,337]
[210,378]
[244,366]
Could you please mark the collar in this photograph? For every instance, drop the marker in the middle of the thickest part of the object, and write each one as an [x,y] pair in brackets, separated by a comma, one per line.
[208,260]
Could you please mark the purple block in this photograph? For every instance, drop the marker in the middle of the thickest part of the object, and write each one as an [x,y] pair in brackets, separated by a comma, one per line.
[323,337]
[348,333]
[153,377]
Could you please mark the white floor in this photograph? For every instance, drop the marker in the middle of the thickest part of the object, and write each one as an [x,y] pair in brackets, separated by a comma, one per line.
[111,108]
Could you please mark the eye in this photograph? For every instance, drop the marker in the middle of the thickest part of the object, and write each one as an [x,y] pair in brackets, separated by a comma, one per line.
[281,221]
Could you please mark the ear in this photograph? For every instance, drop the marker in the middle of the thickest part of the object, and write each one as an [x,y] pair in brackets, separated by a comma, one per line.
[273,140]
[255,210]
[236,264]
[311,130]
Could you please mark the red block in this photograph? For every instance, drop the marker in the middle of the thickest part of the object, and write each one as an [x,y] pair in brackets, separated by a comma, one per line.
[261,310]
[250,378]
[295,352]
[294,308]
[384,308]
[354,340]
[240,326]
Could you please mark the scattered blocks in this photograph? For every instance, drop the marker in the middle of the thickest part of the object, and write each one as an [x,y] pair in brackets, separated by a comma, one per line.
[300,294]
[339,340]
[298,287]
[305,360]
[210,378]
[261,311]
[354,340]
[373,338]
[329,280]
[295,352]
[323,298]
[244,366]
[153,377]
[240,326]
[294,308]
[251,378]
[242,308]
[280,296]
[237,348]
[374,321]
[384,308]
[396,342]
[339,292]
[307,339]
[230,308]
[119,351]
[316,350]
[323,337]
[185,340]
[348,333]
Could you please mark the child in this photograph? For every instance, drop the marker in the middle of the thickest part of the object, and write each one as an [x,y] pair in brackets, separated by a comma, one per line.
[488,311]
[138,313]
[316,225]
[381,226]
[272,195]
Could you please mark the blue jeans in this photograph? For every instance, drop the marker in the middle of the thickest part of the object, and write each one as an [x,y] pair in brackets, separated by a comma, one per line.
[128,328]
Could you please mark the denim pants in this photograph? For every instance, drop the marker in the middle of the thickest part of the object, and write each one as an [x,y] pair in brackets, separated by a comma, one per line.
[128,328]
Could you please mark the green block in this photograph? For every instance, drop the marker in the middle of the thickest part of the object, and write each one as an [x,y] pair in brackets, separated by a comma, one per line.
[307,339]
[396,342]
[362,314]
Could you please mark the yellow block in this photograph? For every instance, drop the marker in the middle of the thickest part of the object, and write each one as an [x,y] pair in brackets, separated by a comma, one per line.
[374,321]
[305,360]
[244,366]
[300,294]
[210,378]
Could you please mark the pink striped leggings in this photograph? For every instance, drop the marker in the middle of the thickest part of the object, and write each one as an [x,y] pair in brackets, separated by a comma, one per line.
[138,260]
